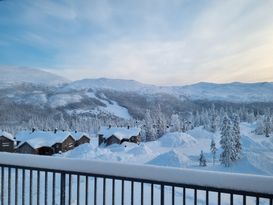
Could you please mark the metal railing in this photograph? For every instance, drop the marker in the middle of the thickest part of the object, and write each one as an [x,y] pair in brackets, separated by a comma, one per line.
[27,179]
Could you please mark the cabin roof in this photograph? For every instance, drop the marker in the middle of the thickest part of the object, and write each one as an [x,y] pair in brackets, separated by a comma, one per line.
[7,135]
[78,135]
[119,132]
[38,139]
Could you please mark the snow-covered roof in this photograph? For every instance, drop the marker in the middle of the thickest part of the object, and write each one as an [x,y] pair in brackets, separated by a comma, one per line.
[6,135]
[38,139]
[78,135]
[119,132]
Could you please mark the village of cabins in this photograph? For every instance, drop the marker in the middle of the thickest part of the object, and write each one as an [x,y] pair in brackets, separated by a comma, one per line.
[53,142]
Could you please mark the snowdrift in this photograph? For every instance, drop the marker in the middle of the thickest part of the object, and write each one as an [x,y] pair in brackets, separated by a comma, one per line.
[176,139]
[142,149]
[170,159]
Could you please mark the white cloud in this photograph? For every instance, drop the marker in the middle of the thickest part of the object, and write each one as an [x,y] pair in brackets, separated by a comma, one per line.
[163,42]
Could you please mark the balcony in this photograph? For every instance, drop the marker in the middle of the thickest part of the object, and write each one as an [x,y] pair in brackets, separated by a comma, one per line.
[30,179]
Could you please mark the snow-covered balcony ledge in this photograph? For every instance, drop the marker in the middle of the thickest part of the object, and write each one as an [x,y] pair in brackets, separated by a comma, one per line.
[241,184]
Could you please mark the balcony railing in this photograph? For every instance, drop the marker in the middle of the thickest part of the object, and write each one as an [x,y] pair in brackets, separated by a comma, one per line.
[30,179]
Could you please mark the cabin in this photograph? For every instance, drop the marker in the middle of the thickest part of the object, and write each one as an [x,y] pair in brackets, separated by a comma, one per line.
[118,135]
[7,142]
[44,142]
[26,148]
[81,138]
[64,144]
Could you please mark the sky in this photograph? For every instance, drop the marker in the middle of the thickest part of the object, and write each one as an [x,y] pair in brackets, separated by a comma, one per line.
[164,42]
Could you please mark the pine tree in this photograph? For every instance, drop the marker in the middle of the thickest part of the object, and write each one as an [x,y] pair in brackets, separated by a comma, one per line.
[160,122]
[149,127]
[267,126]
[237,137]
[202,160]
[175,123]
[227,143]
[213,150]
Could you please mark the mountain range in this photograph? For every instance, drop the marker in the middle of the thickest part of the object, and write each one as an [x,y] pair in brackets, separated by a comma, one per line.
[230,92]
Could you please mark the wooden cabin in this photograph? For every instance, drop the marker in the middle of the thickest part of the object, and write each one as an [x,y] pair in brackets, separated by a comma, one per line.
[7,142]
[44,142]
[81,138]
[26,148]
[118,135]
[63,146]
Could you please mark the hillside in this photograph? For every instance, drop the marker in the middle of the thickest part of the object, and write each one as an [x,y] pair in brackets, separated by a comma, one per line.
[17,75]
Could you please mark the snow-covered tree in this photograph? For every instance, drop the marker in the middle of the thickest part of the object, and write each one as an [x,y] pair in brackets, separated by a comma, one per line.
[267,126]
[175,123]
[149,127]
[227,143]
[213,150]
[237,136]
[202,159]
[160,122]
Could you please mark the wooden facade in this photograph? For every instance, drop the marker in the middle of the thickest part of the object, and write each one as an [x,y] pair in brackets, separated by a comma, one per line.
[84,139]
[26,148]
[112,140]
[45,151]
[64,146]
[115,140]
[6,144]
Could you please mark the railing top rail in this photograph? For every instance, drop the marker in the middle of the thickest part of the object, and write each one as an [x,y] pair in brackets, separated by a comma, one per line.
[231,181]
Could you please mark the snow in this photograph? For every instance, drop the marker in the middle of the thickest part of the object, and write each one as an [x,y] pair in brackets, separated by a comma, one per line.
[119,132]
[141,149]
[60,100]
[176,139]
[246,182]
[185,148]
[170,159]
[78,135]
[115,109]
[6,135]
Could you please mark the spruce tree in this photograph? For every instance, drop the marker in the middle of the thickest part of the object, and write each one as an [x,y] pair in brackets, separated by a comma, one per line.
[202,160]
[213,150]
[267,126]
[237,137]
[227,143]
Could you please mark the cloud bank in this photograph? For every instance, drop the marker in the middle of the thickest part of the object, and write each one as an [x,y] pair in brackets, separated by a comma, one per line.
[161,42]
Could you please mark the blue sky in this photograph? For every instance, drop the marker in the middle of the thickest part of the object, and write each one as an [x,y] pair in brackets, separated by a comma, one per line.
[153,41]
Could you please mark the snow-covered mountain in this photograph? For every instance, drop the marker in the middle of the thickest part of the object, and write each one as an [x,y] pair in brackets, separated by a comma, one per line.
[112,84]
[230,92]
[17,75]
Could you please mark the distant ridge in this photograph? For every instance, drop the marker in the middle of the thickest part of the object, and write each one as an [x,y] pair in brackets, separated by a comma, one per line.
[17,75]
[229,92]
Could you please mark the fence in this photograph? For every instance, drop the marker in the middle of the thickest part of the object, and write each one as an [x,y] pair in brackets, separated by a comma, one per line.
[30,179]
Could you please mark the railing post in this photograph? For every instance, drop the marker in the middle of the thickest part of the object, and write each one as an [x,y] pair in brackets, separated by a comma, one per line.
[162,193]
[62,194]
